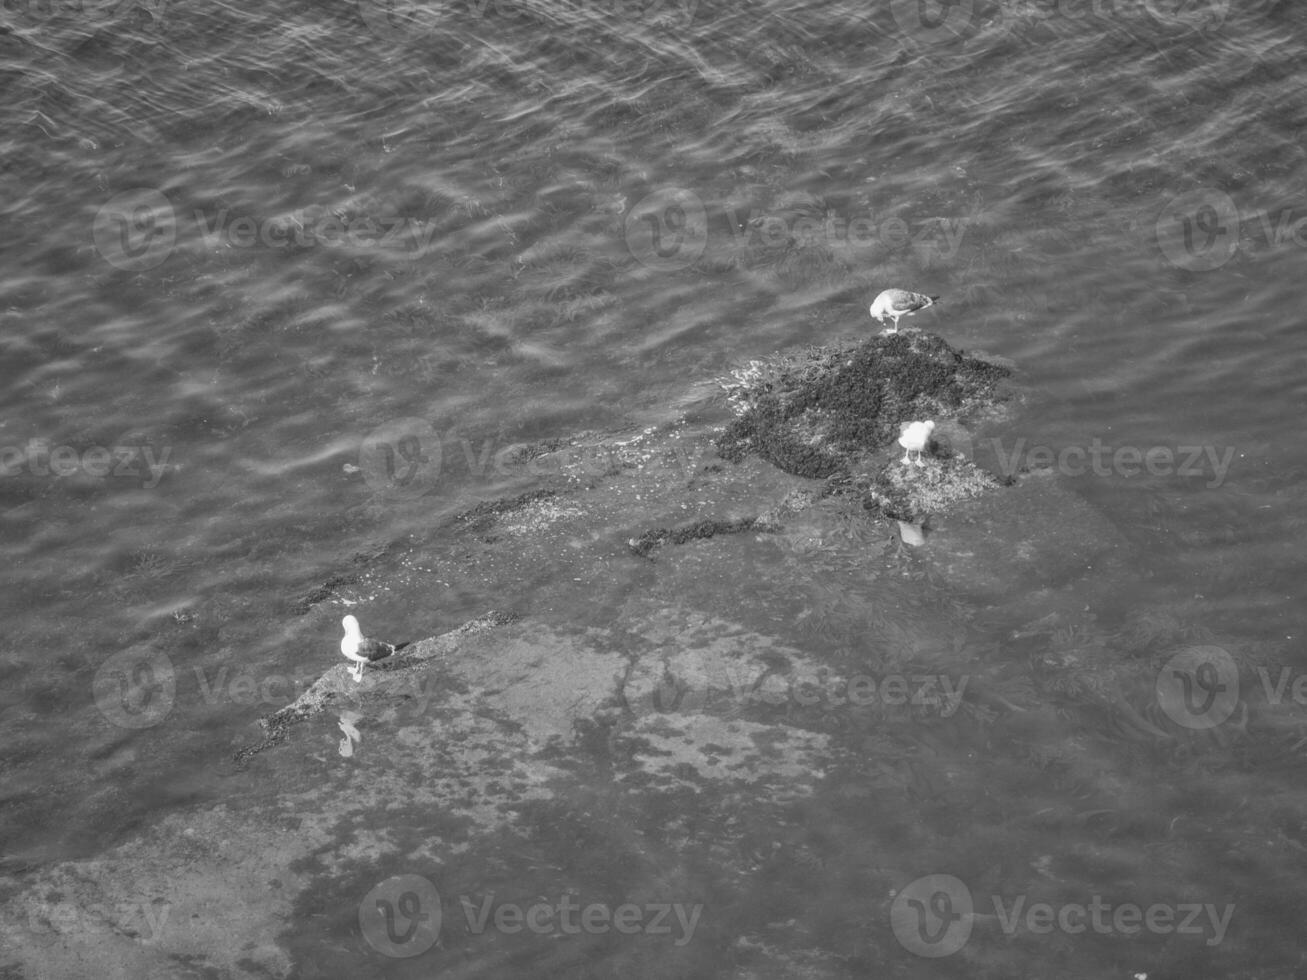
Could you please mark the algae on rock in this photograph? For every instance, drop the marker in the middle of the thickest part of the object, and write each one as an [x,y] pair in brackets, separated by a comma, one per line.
[828,412]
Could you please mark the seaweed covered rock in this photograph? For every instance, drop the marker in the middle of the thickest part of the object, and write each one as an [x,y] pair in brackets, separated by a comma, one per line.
[823,411]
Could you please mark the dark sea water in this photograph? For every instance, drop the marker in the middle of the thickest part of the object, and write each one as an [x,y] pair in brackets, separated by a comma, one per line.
[244,242]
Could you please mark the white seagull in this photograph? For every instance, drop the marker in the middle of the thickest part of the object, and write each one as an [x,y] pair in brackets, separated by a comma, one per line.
[914,437]
[361,649]
[899,302]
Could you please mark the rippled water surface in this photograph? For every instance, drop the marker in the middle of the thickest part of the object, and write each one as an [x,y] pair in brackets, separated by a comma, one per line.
[241,237]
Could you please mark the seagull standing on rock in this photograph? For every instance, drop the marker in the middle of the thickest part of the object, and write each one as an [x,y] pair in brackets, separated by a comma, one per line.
[362,649]
[895,303]
[914,437]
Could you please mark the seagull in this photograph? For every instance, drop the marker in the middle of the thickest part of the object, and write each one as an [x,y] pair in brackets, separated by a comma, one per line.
[899,302]
[361,649]
[914,437]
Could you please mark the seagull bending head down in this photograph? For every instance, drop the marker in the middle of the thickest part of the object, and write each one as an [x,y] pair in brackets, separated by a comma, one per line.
[896,303]
[914,437]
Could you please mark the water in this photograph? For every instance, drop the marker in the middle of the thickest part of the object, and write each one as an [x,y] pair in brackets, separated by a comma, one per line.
[239,240]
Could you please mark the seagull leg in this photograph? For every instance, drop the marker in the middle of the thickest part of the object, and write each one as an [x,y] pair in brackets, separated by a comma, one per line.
[905,460]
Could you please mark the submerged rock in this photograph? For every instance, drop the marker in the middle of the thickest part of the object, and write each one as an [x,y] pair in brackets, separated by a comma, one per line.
[743,717]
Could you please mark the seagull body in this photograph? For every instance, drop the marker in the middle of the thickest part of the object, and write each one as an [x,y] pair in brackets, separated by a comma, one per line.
[895,303]
[361,649]
[914,437]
